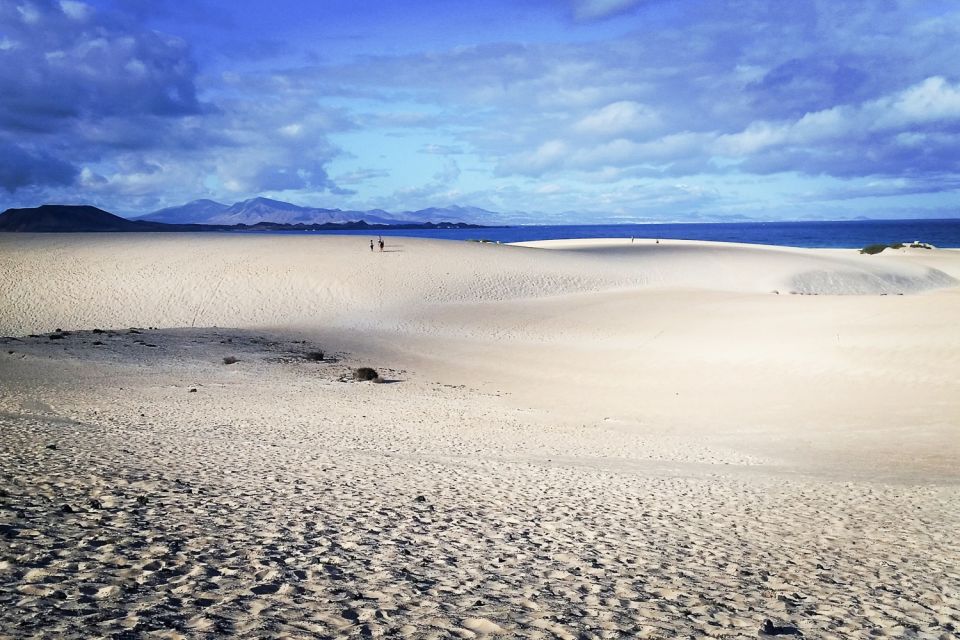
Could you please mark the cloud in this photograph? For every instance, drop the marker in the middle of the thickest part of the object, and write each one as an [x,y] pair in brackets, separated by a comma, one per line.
[657,155]
[629,97]
[21,168]
[94,97]
[277,168]
[882,188]
[913,131]
[933,100]
[440,150]
[549,155]
[812,83]
[75,10]
[441,190]
[617,119]
[599,9]
[361,175]
[64,66]
[401,119]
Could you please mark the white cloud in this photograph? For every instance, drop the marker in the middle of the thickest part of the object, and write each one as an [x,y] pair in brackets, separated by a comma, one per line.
[29,13]
[440,150]
[597,9]
[360,176]
[759,135]
[551,188]
[932,101]
[74,9]
[606,158]
[293,130]
[136,68]
[90,179]
[441,189]
[814,88]
[618,118]
[549,155]
[613,153]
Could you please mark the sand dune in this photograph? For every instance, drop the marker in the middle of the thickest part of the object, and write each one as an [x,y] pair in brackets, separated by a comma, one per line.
[575,439]
[755,268]
[181,280]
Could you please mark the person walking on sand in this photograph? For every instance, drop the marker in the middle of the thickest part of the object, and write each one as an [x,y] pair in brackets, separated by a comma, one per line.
[371,245]
[381,244]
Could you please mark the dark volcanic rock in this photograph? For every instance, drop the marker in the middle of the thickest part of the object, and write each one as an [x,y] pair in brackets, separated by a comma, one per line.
[66,218]
[770,629]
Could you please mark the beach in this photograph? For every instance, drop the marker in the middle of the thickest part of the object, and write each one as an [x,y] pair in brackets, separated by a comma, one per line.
[571,439]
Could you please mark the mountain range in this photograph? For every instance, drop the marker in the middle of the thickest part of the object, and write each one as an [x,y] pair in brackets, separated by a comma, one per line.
[257,210]
[58,218]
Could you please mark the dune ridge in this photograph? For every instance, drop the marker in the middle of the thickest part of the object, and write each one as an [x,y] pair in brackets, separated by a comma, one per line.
[182,280]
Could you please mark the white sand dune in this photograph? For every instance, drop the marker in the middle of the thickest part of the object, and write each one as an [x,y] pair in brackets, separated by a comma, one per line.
[176,280]
[576,439]
[756,268]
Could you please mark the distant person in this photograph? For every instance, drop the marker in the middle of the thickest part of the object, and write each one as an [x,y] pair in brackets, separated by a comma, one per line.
[371,245]
[381,244]
[631,239]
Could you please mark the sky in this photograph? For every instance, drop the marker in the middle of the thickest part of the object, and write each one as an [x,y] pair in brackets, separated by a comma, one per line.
[548,111]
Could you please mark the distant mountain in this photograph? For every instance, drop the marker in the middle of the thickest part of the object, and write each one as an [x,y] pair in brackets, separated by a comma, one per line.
[67,218]
[80,218]
[257,210]
[266,210]
[192,212]
[453,212]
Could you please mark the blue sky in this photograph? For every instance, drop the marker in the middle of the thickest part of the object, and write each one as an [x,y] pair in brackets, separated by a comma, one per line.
[565,110]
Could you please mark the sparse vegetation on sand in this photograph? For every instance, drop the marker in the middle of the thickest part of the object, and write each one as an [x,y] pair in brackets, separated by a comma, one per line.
[872,249]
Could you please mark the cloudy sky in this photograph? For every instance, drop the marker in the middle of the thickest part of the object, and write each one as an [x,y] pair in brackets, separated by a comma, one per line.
[571,110]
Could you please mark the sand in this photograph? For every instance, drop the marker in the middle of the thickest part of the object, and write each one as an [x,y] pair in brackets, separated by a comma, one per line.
[574,439]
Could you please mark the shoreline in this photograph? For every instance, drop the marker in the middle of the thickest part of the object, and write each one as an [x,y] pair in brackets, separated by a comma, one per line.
[851,234]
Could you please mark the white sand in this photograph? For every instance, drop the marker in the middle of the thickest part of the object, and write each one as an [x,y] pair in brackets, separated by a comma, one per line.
[610,439]
[177,280]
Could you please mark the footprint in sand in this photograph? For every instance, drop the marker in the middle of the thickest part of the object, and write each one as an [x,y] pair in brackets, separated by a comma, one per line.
[265,589]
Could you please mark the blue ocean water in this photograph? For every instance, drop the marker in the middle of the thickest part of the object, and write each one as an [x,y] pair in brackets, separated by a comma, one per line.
[844,234]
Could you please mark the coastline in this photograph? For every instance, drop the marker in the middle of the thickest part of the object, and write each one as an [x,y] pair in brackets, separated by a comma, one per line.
[843,234]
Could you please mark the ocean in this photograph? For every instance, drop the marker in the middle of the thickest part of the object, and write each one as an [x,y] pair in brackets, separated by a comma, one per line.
[845,234]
